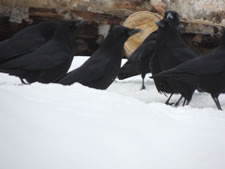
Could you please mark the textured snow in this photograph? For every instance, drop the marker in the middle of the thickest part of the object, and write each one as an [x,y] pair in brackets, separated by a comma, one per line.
[50,126]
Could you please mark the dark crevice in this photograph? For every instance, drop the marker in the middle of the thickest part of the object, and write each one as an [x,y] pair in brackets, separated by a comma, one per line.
[88,37]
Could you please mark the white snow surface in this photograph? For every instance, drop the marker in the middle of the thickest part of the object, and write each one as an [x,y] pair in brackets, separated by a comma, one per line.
[50,126]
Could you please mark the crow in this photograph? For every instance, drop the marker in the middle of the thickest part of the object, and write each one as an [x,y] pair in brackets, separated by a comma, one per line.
[170,51]
[138,62]
[27,40]
[101,69]
[48,62]
[206,73]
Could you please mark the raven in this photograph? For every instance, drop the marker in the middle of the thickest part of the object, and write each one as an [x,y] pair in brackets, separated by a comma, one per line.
[27,40]
[48,62]
[170,51]
[101,69]
[206,73]
[138,62]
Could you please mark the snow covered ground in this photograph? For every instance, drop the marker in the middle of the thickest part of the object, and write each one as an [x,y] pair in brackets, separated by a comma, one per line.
[76,127]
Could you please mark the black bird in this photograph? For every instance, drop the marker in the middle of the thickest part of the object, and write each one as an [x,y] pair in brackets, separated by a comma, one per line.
[101,69]
[27,40]
[206,73]
[48,62]
[170,51]
[138,62]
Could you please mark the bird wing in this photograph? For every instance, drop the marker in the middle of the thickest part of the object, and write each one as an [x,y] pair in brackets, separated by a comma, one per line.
[27,40]
[155,69]
[200,66]
[47,56]
[128,70]
[139,58]
[144,47]
[12,49]
[90,71]
[183,54]
[147,50]
[152,36]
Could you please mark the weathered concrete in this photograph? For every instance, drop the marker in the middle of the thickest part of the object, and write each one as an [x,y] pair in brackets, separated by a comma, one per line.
[211,10]
[198,16]
[115,7]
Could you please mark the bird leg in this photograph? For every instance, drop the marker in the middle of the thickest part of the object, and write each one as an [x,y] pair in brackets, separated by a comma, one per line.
[216,100]
[186,102]
[23,82]
[143,81]
[178,102]
[168,100]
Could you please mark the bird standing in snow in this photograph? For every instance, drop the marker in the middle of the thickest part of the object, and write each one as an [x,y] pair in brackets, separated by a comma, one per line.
[138,62]
[48,62]
[206,73]
[101,69]
[27,40]
[170,51]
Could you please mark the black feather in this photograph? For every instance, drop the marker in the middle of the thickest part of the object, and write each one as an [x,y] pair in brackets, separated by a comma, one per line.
[100,70]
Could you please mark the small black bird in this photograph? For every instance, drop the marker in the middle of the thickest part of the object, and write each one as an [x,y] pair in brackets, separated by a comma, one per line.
[27,40]
[206,73]
[101,69]
[48,62]
[138,62]
[170,51]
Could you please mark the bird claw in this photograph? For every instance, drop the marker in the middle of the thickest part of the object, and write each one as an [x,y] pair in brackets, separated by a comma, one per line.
[143,88]
[170,104]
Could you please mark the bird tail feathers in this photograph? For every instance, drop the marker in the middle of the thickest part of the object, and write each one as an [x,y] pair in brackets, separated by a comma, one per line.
[175,75]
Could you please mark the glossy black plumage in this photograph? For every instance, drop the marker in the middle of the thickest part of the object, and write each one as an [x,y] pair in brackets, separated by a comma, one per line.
[49,61]
[170,51]
[138,62]
[27,40]
[206,73]
[100,70]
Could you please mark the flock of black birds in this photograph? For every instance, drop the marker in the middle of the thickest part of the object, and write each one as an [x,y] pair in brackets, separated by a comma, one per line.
[44,52]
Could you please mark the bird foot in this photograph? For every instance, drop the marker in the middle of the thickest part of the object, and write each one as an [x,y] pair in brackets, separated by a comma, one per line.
[143,88]
[168,103]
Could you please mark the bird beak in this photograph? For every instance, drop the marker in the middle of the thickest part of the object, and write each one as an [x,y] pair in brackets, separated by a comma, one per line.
[82,22]
[180,28]
[160,24]
[134,31]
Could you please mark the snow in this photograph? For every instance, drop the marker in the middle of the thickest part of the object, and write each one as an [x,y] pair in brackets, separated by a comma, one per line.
[50,126]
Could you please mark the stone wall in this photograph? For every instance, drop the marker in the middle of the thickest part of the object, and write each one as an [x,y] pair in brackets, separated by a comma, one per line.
[203,20]
[211,10]
[206,13]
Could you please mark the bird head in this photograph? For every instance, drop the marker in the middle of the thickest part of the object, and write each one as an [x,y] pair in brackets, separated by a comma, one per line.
[170,18]
[68,30]
[125,32]
[75,24]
